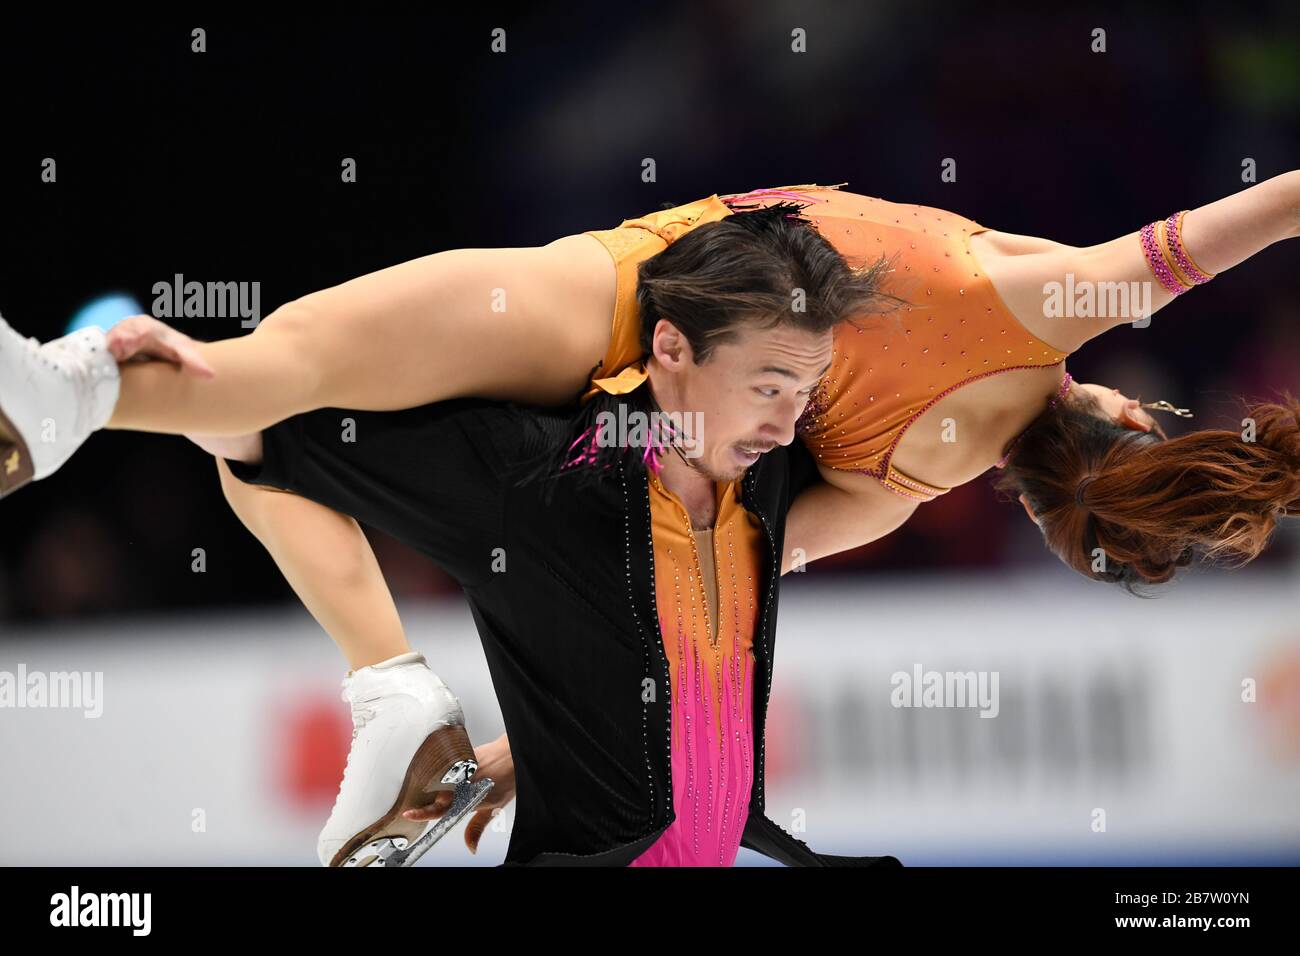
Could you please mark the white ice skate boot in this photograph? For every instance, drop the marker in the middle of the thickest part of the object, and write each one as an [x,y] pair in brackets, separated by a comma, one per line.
[52,397]
[408,742]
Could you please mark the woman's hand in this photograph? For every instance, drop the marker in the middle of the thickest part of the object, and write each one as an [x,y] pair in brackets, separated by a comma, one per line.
[494,761]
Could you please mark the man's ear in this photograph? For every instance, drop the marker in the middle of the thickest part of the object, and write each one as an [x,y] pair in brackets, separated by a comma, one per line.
[1129,416]
[1029,511]
[669,346]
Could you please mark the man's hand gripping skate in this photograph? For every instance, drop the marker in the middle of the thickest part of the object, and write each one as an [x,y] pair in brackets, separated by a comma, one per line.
[143,338]
[495,763]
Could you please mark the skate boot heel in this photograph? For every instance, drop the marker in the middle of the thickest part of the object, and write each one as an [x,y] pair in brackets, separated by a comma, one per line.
[445,761]
[409,748]
[16,467]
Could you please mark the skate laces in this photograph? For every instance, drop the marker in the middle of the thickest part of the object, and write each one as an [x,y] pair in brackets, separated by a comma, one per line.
[73,366]
[74,371]
[30,347]
[56,353]
[362,710]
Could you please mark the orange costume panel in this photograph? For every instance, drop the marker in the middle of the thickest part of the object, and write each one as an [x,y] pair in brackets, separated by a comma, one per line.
[887,369]
[705,585]
[633,242]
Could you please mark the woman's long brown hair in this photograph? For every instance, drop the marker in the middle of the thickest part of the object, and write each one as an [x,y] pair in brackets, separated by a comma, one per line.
[1156,504]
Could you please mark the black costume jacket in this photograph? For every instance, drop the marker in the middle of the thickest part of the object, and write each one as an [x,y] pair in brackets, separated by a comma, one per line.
[562,590]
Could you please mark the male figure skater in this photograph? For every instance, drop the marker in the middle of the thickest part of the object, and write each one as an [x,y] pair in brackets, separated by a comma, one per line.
[620,638]
[626,607]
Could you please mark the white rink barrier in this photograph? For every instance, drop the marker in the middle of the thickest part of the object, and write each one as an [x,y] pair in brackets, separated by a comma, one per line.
[1114,730]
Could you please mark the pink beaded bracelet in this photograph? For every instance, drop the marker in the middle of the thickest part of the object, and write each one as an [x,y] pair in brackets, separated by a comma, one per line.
[1172,264]
[1156,260]
[1174,234]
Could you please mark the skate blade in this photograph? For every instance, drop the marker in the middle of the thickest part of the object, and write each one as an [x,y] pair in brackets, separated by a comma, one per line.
[16,467]
[395,851]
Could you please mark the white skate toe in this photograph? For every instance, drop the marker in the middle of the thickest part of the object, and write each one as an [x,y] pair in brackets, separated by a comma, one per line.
[52,397]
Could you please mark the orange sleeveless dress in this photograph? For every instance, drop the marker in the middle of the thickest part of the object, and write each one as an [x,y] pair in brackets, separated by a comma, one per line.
[955,331]
[630,244]
[889,369]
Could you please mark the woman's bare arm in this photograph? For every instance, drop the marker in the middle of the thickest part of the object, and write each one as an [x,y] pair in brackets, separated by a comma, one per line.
[1231,230]
[842,511]
[1218,236]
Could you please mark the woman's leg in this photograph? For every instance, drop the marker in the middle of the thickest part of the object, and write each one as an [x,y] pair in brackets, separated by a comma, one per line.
[410,756]
[525,324]
[327,561]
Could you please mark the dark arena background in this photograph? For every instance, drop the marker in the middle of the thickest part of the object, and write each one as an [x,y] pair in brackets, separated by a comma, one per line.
[1130,732]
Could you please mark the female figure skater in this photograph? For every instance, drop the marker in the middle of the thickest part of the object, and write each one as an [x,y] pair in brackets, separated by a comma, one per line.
[909,410]
[970,374]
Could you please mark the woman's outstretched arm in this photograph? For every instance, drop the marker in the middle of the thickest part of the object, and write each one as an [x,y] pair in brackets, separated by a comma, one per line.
[1231,230]
[1218,236]
[524,324]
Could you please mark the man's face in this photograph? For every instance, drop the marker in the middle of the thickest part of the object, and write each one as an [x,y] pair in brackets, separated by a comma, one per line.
[749,392]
